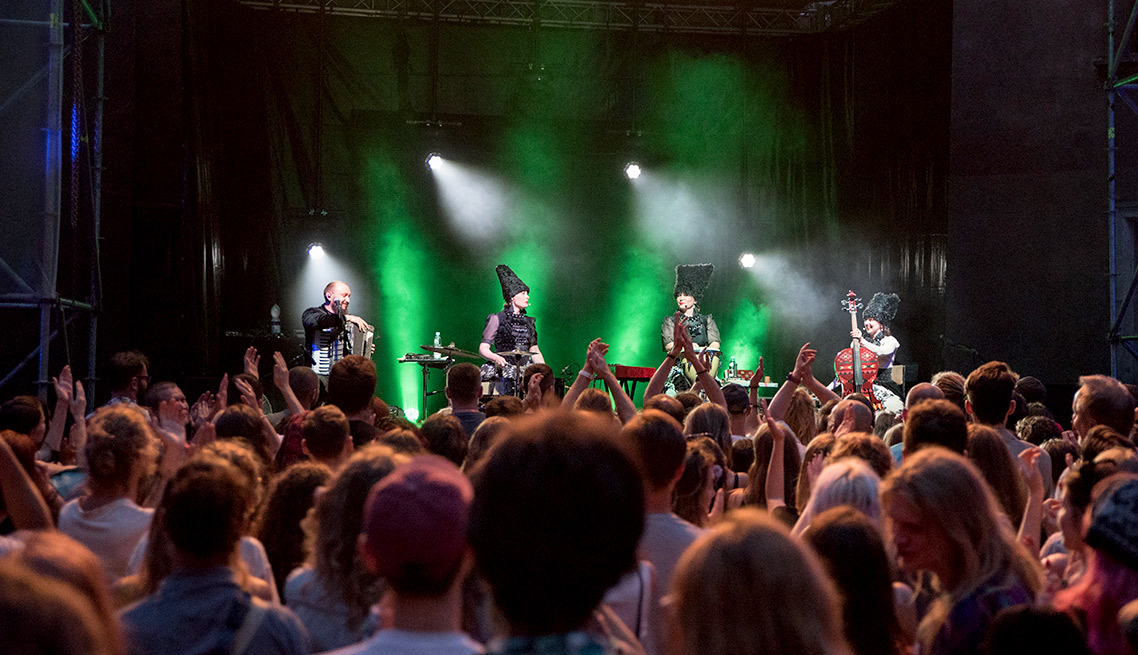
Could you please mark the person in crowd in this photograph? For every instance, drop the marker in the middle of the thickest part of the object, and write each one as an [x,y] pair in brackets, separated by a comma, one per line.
[446,437]
[557,514]
[1100,439]
[21,450]
[121,452]
[463,389]
[327,436]
[755,493]
[1034,629]
[351,387]
[739,411]
[944,520]
[1102,400]
[325,328]
[1000,471]
[935,423]
[730,600]
[483,438]
[917,393]
[695,490]
[41,615]
[414,537]
[200,608]
[20,501]
[291,494]
[166,402]
[951,384]
[128,377]
[247,424]
[333,593]
[866,447]
[847,482]
[713,421]
[305,387]
[852,548]
[506,406]
[793,404]
[813,460]
[1037,429]
[988,401]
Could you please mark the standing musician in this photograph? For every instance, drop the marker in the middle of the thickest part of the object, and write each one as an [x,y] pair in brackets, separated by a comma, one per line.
[509,330]
[877,338]
[691,283]
[326,339]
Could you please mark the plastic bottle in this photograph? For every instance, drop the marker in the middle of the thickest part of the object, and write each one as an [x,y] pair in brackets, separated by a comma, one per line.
[438,344]
[732,369]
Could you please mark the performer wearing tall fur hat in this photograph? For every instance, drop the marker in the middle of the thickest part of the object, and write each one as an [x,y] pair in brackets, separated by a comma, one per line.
[876,336]
[691,283]
[509,330]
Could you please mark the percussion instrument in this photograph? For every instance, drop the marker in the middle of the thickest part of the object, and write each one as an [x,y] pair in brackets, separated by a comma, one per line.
[451,351]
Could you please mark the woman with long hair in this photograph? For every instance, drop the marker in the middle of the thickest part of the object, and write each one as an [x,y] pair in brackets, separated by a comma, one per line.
[748,588]
[291,494]
[755,495]
[987,451]
[711,420]
[695,490]
[945,520]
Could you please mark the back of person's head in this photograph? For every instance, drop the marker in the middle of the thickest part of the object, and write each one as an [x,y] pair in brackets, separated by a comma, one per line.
[1019,411]
[801,417]
[1038,429]
[485,436]
[124,367]
[243,423]
[668,405]
[882,422]
[689,400]
[1114,519]
[1032,389]
[304,384]
[504,406]
[206,508]
[742,455]
[853,409]
[351,383]
[25,452]
[846,482]
[737,400]
[711,420]
[121,447]
[464,383]
[557,514]
[951,499]
[690,500]
[822,416]
[987,451]
[446,437]
[43,616]
[865,447]
[244,458]
[989,390]
[339,520]
[414,527]
[1033,629]
[935,423]
[402,440]
[254,382]
[820,446]
[291,494]
[951,384]
[326,432]
[594,400]
[1058,449]
[923,391]
[1101,438]
[546,373]
[382,413]
[21,414]
[756,493]
[730,600]
[851,548]
[658,442]
[1102,400]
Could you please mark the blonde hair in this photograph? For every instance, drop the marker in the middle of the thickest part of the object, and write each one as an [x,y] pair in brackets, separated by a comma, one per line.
[848,481]
[953,497]
[748,587]
[121,448]
[802,417]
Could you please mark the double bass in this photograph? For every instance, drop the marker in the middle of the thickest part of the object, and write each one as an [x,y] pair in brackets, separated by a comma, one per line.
[856,366]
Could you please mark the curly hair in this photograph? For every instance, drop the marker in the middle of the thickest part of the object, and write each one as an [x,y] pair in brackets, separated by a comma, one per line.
[121,447]
[291,495]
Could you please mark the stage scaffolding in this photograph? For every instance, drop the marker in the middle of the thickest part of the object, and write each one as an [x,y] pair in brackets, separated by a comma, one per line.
[674,18]
[75,33]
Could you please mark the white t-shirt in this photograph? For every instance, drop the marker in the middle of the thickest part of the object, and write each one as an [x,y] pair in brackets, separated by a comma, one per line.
[252,554]
[111,531]
[403,642]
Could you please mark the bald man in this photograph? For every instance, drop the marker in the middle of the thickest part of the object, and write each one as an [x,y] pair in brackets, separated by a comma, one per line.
[325,339]
[919,393]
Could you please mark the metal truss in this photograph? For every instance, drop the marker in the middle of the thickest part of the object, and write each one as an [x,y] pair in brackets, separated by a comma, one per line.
[603,15]
[1117,89]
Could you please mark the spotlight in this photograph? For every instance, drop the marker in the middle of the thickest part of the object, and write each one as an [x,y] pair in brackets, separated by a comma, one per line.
[632,170]
[315,251]
[434,160]
[747,260]
[412,414]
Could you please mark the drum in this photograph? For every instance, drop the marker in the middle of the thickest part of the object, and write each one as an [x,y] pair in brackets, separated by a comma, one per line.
[492,372]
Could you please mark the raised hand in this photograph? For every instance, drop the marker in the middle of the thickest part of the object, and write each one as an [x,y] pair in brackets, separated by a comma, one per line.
[79,403]
[221,400]
[252,362]
[1029,466]
[804,361]
[280,371]
[758,376]
[247,395]
[63,385]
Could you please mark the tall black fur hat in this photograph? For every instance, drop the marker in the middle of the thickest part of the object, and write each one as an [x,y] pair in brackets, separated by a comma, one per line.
[692,279]
[882,307]
[512,285]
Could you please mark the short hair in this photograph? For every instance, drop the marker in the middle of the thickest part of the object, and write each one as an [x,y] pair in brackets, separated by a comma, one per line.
[668,405]
[558,500]
[951,385]
[546,372]
[351,383]
[1101,438]
[505,406]
[401,440]
[304,382]
[742,455]
[21,414]
[205,508]
[1032,389]
[924,391]
[1038,429]
[445,436]
[863,414]
[882,422]
[658,441]
[1106,402]
[865,447]
[244,423]
[253,381]
[325,430]
[736,397]
[989,389]
[464,382]
[935,422]
[42,615]
[594,400]
[1058,449]
[157,393]
[485,436]
[1019,411]
[124,367]
[689,400]
[119,441]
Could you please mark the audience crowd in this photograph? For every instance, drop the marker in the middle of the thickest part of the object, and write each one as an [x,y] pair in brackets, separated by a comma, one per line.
[707,523]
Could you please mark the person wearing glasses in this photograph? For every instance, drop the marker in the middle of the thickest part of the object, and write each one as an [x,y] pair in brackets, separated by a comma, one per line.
[129,376]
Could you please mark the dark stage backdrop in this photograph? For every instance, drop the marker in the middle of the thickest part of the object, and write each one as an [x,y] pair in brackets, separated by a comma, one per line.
[246,135]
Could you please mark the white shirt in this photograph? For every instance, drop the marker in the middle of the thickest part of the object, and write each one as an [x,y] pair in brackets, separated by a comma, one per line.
[110,531]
